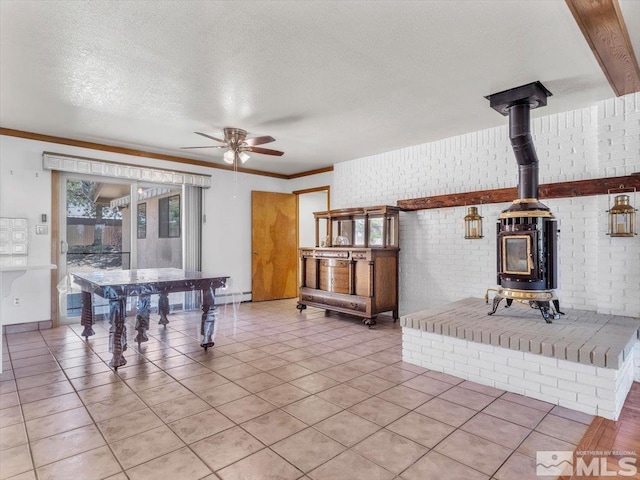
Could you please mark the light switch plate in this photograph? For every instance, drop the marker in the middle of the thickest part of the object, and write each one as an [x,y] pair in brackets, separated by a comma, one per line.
[42,229]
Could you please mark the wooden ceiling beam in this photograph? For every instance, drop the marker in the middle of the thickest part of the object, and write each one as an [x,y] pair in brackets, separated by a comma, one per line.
[604,29]
[579,188]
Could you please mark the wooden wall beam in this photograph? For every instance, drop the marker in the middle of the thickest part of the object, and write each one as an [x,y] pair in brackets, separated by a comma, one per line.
[579,188]
[604,29]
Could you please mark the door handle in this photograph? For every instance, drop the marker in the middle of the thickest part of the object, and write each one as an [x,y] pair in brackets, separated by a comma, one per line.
[64,246]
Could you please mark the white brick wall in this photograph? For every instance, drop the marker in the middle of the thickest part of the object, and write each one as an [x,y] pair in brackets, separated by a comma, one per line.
[586,388]
[437,265]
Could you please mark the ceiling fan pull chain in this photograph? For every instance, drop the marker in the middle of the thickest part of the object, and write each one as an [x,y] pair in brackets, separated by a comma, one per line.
[235,178]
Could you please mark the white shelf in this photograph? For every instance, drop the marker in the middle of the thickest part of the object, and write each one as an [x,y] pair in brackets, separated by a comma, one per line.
[13,267]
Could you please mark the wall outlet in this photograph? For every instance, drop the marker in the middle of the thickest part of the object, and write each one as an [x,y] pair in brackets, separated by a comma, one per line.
[16,300]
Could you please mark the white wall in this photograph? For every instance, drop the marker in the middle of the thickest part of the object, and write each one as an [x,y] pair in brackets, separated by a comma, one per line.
[308,203]
[25,192]
[226,234]
[437,265]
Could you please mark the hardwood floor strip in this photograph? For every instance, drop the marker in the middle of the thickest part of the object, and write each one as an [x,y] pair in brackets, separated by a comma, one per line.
[607,435]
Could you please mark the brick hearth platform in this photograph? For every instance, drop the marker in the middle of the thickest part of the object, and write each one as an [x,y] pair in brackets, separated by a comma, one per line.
[584,361]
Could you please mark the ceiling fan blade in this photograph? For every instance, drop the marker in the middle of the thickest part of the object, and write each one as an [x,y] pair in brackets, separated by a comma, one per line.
[259,140]
[210,137]
[208,146]
[264,151]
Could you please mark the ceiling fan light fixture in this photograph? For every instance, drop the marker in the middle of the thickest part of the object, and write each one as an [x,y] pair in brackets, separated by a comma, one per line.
[229,156]
[238,145]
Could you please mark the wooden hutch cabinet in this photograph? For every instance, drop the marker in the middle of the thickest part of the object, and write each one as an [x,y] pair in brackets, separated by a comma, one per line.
[354,266]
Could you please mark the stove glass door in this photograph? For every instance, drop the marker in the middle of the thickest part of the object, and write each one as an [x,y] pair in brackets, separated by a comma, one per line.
[516,255]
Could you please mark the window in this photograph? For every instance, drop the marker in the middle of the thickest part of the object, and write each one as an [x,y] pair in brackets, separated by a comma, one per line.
[142,220]
[169,216]
[375,232]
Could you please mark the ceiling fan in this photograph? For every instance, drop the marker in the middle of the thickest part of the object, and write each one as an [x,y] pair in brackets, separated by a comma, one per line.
[237,145]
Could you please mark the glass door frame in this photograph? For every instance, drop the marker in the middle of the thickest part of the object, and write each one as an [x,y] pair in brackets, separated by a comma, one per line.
[63,246]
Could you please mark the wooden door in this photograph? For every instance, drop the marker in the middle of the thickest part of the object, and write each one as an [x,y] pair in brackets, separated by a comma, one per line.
[274,245]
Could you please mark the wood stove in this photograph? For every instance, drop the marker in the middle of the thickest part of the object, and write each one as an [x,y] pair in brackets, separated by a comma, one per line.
[527,231]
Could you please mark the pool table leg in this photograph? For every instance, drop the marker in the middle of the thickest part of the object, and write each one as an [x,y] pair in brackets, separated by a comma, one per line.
[86,320]
[142,318]
[163,308]
[207,328]
[118,332]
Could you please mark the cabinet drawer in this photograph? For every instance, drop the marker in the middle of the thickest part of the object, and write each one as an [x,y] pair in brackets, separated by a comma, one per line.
[352,302]
[334,263]
[334,276]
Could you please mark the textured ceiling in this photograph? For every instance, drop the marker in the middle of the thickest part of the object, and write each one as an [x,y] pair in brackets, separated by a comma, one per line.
[330,80]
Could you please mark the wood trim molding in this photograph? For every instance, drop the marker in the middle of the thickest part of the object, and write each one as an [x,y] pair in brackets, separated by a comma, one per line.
[311,190]
[310,172]
[579,188]
[144,154]
[325,188]
[603,27]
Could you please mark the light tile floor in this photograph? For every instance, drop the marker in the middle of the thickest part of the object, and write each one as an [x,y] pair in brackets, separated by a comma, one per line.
[282,395]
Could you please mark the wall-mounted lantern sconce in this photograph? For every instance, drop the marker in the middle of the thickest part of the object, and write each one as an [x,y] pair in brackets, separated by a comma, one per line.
[473,224]
[622,216]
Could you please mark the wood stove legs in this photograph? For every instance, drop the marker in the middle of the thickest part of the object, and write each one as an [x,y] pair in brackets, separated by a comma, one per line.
[556,304]
[496,302]
[547,311]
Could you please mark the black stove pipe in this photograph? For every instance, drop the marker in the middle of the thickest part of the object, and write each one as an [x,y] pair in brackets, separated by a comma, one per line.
[523,149]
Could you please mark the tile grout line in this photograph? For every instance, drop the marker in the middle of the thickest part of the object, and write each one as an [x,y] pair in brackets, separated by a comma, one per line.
[378,344]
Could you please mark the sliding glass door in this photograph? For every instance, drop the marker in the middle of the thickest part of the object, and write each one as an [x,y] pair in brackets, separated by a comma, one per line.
[106,225]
